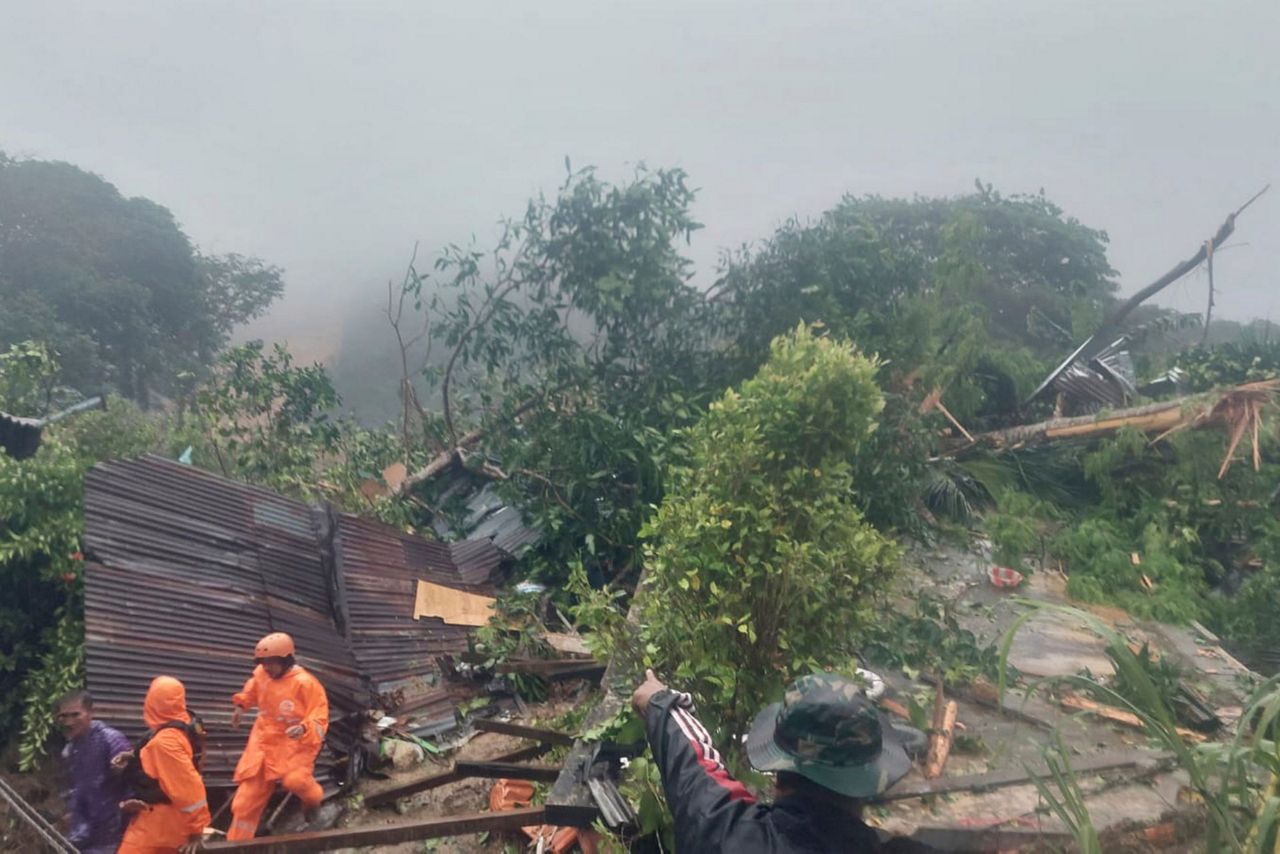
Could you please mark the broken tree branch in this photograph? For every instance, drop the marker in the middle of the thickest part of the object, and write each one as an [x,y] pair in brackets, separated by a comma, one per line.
[447,458]
[1110,328]
[408,393]
[1208,311]
[482,317]
[1120,312]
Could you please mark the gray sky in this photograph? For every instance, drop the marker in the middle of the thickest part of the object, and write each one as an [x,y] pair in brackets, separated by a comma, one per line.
[328,137]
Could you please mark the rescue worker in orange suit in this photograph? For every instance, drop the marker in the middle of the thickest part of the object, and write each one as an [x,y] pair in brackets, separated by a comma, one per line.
[167,757]
[293,715]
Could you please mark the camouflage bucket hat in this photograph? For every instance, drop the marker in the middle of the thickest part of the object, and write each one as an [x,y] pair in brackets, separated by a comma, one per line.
[826,729]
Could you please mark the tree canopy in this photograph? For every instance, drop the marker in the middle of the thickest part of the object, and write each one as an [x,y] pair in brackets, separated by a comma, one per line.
[113,284]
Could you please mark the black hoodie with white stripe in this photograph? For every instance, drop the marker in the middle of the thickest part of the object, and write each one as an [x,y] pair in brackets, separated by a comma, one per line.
[715,813]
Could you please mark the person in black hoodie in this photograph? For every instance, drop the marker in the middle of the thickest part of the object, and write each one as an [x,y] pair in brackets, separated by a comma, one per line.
[828,746]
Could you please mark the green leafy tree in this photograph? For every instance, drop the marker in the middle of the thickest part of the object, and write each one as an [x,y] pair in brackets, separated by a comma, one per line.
[266,420]
[759,565]
[41,522]
[975,296]
[891,274]
[113,283]
[577,345]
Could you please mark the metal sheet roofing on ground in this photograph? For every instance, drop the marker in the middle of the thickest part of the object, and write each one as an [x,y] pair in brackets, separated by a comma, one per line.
[186,570]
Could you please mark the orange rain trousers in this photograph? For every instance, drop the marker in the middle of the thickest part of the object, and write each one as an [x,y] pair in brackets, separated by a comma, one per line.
[295,699]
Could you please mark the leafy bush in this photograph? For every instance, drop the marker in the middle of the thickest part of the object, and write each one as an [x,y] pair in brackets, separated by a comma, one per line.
[1229,364]
[760,565]
[1019,527]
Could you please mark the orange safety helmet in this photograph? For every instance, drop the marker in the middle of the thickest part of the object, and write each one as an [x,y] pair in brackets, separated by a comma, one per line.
[274,645]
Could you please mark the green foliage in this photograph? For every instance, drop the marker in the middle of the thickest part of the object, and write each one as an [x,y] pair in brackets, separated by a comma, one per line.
[1251,358]
[1061,791]
[515,630]
[267,420]
[582,318]
[1019,528]
[41,628]
[932,284]
[113,283]
[1164,503]
[931,641]
[759,566]
[61,668]
[41,523]
[40,572]
[28,379]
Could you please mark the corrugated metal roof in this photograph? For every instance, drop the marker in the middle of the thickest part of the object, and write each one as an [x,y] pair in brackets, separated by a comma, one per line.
[187,570]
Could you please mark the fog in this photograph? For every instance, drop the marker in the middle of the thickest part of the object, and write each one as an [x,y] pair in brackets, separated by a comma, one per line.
[329,137]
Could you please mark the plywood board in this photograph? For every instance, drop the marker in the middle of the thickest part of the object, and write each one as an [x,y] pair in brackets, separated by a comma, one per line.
[455,607]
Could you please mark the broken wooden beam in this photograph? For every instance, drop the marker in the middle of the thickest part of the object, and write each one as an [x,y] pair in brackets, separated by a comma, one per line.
[546,736]
[940,740]
[384,834]
[444,778]
[422,784]
[1077,703]
[1109,761]
[508,770]
[545,666]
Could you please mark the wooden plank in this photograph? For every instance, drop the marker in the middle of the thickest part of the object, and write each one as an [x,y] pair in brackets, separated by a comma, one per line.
[1077,703]
[384,834]
[546,736]
[509,770]
[944,723]
[589,672]
[546,666]
[1109,761]
[982,839]
[389,796]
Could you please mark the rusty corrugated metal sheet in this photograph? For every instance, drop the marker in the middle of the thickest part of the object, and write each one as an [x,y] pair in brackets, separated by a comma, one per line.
[187,570]
[380,569]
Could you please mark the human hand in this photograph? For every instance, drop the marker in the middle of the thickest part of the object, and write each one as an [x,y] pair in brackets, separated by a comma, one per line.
[132,806]
[295,731]
[650,686]
[120,760]
[196,843]
[236,711]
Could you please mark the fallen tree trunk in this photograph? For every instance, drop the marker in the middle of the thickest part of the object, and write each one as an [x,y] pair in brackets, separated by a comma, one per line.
[1152,418]
[1227,406]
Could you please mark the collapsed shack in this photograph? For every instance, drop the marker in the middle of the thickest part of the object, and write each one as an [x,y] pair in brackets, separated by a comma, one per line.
[185,570]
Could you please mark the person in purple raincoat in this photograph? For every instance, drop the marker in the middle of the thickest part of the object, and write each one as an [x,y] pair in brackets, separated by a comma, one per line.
[94,791]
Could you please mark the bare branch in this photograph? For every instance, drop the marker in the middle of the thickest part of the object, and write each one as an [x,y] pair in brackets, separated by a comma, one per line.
[507,282]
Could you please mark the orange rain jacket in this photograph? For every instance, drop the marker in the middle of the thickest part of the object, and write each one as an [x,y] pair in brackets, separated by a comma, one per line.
[168,758]
[297,697]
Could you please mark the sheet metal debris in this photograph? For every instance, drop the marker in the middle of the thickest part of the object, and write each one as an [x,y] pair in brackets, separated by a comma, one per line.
[186,570]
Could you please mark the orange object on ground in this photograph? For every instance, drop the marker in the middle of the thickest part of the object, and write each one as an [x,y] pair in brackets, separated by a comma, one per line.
[168,758]
[511,794]
[295,699]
